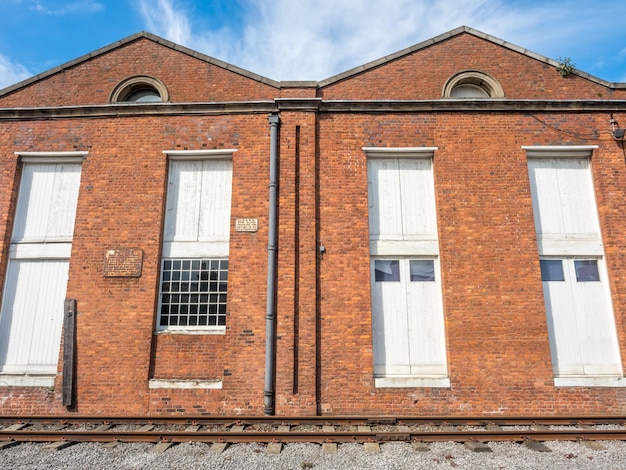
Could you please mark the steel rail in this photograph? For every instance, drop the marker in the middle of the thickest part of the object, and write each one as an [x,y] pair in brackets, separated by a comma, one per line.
[316,437]
[320,420]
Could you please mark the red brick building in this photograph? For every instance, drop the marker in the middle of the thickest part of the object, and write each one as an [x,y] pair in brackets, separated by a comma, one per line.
[439,232]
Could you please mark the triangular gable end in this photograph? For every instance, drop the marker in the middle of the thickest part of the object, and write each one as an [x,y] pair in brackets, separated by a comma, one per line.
[259,82]
[450,34]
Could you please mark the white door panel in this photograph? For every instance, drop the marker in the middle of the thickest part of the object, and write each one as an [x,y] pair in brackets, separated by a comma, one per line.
[583,337]
[409,334]
[426,328]
[46,206]
[32,315]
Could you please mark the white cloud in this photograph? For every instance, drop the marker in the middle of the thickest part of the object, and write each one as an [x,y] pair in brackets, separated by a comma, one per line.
[11,73]
[312,40]
[79,6]
[164,18]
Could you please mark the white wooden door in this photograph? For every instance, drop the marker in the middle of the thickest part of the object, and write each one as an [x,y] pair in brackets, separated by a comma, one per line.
[198,201]
[408,326]
[583,338]
[32,319]
[401,200]
[425,312]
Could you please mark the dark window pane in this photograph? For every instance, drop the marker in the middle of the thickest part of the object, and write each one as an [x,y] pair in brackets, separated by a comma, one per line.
[551,270]
[195,264]
[587,270]
[422,270]
[386,270]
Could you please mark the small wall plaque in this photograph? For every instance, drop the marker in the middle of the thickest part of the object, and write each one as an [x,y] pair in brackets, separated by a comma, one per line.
[246,225]
[123,262]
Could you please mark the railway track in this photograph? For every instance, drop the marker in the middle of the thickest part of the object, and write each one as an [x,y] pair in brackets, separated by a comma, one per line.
[324,430]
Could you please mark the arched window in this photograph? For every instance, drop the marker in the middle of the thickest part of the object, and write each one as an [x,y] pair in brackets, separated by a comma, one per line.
[472,85]
[139,89]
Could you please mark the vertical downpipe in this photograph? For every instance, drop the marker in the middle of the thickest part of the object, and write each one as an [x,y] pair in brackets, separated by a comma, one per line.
[270,313]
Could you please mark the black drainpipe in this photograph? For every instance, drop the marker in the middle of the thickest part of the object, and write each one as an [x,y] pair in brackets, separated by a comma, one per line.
[270,313]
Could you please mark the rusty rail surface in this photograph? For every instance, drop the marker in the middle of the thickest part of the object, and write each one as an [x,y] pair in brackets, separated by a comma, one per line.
[285,429]
[320,420]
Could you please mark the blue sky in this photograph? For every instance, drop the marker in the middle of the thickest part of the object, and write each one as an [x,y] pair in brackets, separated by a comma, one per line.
[307,39]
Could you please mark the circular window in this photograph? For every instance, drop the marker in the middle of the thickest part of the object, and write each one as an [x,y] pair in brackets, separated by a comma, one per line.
[472,84]
[139,89]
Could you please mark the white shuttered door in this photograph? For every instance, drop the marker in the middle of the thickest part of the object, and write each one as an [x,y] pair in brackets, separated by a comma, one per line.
[580,324]
[409,335]
[197,222]
[31,318]
[580,319]
[407,307]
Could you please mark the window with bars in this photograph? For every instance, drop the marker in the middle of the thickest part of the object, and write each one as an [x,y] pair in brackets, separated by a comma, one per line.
[193,292]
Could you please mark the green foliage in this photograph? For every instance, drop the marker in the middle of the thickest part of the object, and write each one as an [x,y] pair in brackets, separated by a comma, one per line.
[566,66]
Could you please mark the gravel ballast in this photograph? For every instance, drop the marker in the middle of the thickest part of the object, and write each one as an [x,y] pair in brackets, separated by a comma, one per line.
[393,455]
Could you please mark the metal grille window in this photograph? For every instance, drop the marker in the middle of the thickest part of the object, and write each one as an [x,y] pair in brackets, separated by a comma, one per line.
[193,292]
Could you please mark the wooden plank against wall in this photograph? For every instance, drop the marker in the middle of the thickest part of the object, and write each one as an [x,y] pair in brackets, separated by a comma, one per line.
[69,340]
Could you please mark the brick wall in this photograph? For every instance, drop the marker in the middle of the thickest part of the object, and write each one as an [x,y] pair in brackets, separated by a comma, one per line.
[497,341]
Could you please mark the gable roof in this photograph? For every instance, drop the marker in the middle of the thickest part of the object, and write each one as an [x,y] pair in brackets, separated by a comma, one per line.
[129,39]
[456,32]
[322,83]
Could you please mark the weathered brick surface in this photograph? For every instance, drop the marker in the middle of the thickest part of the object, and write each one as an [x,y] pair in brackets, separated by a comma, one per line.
[422,75]
[187,79]
[495,320]
[497,340]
